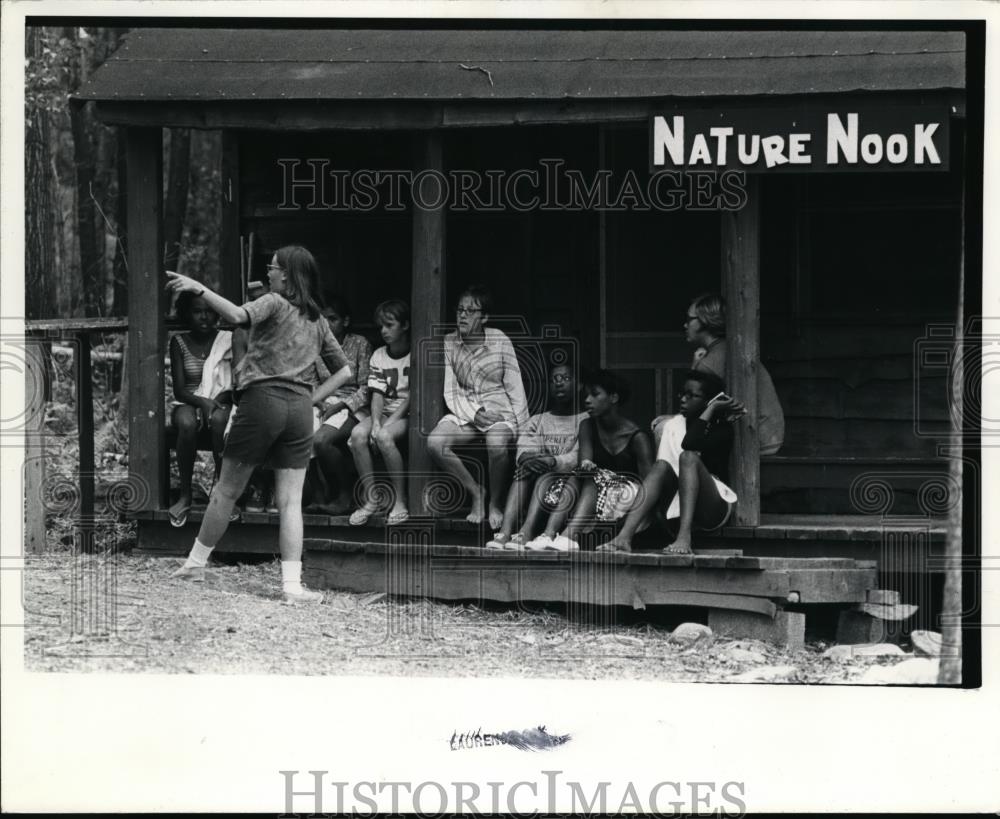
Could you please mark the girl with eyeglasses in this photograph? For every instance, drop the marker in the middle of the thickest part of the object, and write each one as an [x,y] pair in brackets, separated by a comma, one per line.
[276,395]
[485,395]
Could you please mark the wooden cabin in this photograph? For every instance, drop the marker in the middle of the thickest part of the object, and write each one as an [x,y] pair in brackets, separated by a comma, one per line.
[839,282]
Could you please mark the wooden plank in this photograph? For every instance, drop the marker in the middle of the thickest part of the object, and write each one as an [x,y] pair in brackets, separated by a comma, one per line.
[231,272]
[832,585]
[741,286]
[428,309]
[36,376]
[795,563]
[70,325]
[735,602]
[146,307]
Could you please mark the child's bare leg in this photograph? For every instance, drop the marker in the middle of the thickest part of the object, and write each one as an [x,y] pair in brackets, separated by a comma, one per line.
[334,465]
[361,450]
[660,482]
[699,498]
[186,424]
[535,507]
[498,441]
[517,498]
[583,514]
[387,443]
[568,500]
[440,444]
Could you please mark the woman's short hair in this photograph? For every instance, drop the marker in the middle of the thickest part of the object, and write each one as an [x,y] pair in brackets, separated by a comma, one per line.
[302,279]
[609,382]
[481,294]
[393,308]
[710,308]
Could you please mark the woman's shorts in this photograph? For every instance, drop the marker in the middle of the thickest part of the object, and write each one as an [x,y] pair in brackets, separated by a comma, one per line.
[274,425]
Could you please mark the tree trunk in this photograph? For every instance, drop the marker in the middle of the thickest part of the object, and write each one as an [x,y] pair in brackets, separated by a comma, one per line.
[176,196]
[39,237]
[90,249]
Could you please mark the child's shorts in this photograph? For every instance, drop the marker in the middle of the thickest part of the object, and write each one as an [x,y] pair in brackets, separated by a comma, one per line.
[275,425]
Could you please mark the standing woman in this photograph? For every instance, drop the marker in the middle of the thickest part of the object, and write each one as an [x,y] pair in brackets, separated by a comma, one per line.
[275,420]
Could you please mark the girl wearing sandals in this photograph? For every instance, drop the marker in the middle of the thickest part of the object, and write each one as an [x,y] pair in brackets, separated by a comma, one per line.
[692,463]
[615,456]
[275,420]
[202,378]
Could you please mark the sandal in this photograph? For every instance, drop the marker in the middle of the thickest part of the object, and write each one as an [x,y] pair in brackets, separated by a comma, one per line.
[180,518]
[359,517]
[497,543]
[516,542]
[395,518]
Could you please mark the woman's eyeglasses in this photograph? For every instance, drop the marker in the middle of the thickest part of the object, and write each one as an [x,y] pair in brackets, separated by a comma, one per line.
[468,311]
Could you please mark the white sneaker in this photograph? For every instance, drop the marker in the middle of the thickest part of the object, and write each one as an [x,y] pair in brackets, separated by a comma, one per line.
[515,544]
[561,543]
[304,596]
[496,544]
[539,544]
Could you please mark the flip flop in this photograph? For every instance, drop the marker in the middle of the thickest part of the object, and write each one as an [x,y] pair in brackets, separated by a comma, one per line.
[668,550]
[179,519]
[359,517]
[396,518]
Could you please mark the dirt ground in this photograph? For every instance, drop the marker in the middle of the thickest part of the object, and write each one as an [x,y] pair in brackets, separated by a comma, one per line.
[124,614]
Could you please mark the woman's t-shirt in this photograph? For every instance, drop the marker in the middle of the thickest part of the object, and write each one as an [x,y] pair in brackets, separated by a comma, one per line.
[284,345]
[391,377]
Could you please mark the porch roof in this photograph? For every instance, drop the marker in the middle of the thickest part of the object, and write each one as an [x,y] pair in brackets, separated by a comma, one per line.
[210,65]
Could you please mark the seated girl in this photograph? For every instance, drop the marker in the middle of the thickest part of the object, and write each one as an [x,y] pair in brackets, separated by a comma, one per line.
[615,455]
[692,464]
[486,399]
[339,414]
[386,426]
[200,364]
[546,450]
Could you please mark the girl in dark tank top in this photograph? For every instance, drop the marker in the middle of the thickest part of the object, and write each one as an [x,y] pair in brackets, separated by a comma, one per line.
[615,455]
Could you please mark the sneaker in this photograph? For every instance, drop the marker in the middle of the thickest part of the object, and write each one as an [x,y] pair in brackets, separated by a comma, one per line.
[304,596]
[195,574]
[496,544]
[561,543]
[539,544]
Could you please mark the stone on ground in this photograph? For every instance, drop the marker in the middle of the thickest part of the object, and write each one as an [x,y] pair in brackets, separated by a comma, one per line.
[689,634]
[843,654]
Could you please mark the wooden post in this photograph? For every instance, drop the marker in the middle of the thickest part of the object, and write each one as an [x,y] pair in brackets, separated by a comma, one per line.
[146,308]
[741,288]
[427,309]
[36,377]
[230,271]
[85,430]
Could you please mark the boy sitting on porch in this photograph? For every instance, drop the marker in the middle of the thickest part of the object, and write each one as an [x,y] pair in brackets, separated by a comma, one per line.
[341,412]
[546,455]
[693,451]
[386,426]
[483,390]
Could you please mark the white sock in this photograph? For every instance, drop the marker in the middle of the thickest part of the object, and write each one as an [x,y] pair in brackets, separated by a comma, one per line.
[291,576]
[199,555]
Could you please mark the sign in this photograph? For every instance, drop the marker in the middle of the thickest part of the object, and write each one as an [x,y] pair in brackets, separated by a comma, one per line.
[856,138]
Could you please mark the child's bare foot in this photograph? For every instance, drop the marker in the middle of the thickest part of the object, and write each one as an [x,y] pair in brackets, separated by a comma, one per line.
[681,546]
[616,544]
[496,517]
[477,512]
